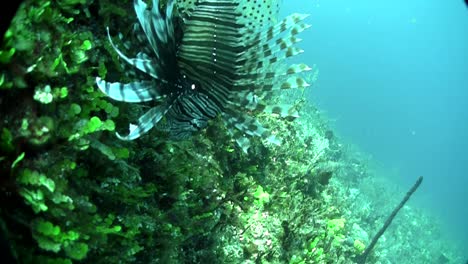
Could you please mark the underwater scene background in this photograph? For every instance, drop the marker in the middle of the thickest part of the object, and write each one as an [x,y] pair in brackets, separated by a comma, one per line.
[229,131]
[405,66]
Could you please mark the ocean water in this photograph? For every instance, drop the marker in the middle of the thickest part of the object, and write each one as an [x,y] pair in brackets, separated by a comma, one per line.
[393,80]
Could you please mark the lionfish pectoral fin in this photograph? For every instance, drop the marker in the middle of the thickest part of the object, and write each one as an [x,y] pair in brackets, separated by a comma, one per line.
[134,92]
[144,65]
[282,110]
[243,143]
[144,17]
[145,122]
[241,127]
[158,30]
[274,140]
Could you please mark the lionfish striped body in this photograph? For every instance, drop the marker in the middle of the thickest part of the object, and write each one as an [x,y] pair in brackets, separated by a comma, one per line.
[225,63]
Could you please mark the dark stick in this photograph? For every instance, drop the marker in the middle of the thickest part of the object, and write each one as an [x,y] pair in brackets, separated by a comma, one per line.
[361,259]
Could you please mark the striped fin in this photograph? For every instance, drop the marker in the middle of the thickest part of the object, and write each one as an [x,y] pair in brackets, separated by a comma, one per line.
[141,39]
[247,100]
[297,68]
[272,45]
[159,32]
[294,82]
[272,82]
[274,140]
[189,114]
[282,110]
[125,45]
[242,142]
[210,48]
[152,24]
[274,52]
[247,125]
[267,83]
[293,23]
[258,76]
[132,92]
[270,55]
[276,84]
[241,139]
[146,122]
[144,65]
[243,127]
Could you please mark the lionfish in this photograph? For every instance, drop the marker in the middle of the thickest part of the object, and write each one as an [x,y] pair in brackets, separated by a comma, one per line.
[210,58]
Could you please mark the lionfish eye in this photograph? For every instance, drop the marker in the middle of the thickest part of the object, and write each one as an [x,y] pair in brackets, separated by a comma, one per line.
[220,62]
[187,85]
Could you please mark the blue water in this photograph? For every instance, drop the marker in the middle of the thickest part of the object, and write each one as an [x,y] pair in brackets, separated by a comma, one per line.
[394,78]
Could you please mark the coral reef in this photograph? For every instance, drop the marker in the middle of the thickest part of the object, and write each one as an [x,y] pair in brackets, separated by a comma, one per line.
[72,192]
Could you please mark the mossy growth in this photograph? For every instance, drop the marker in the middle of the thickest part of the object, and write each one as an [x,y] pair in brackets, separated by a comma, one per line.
[336,229]
[359,246]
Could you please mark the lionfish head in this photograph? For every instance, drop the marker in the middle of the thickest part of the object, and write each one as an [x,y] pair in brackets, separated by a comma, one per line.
[223,64]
